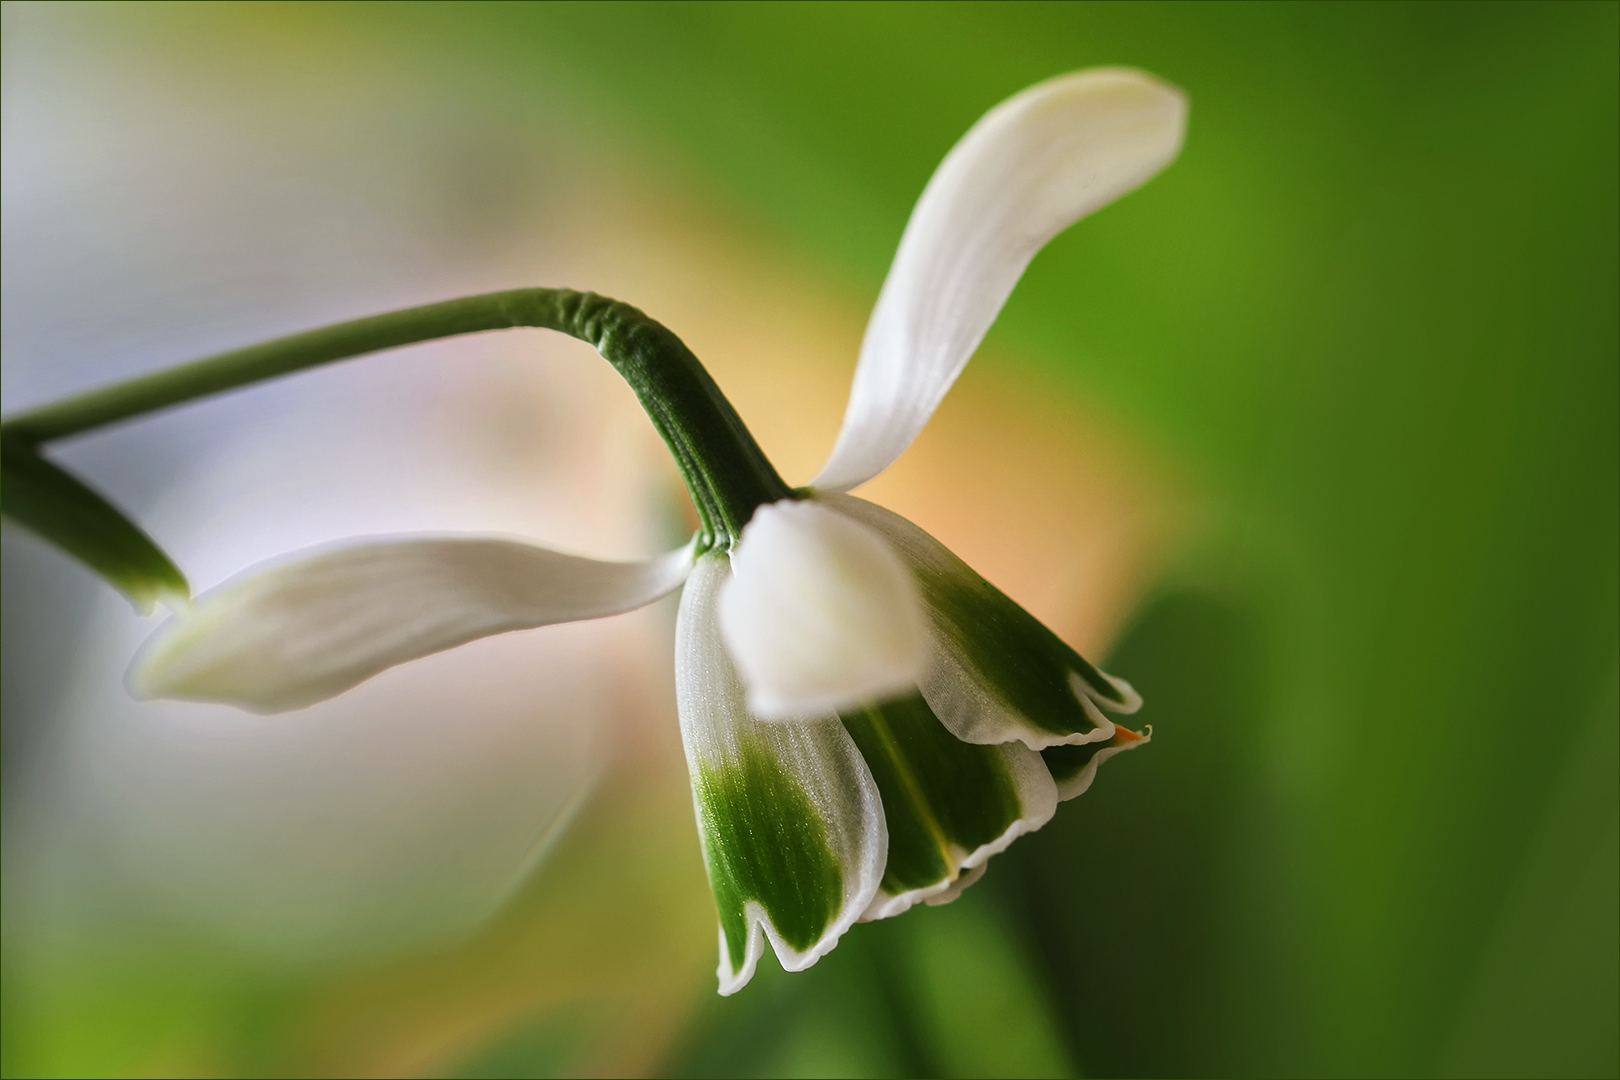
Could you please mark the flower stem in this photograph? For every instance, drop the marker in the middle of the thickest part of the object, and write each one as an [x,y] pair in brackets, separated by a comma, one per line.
[724,468]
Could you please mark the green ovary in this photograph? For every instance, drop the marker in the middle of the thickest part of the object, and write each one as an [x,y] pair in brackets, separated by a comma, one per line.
[766,842]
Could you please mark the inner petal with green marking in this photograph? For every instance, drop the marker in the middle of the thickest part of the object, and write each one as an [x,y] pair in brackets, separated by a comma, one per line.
[791,821]
[766,844]
[1030,668]
[949,805]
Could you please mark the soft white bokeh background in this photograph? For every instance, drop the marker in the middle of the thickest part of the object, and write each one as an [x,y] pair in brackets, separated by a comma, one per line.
[147,223]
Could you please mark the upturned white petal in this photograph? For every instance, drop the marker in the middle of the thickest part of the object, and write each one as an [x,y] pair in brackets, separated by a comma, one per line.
[287,637]
[1033,166]
[790,817]
[820,614]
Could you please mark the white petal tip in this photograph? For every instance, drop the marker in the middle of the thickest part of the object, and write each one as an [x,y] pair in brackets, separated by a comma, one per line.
[731,980]
[1030,168]
[177,665]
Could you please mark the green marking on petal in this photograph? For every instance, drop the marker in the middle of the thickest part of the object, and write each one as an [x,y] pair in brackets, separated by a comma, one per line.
[1066,762]
[1012,651]
[942,798]
[1003,648]
[766,842]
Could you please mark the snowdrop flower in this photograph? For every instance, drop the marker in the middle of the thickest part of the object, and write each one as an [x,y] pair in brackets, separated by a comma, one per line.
[866,720]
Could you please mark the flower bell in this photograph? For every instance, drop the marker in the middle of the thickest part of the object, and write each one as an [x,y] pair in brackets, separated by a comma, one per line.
[866,720]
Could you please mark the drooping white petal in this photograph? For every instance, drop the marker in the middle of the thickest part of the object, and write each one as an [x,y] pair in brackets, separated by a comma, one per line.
[820,613]
[290,636]
[1033,166]
[790,818]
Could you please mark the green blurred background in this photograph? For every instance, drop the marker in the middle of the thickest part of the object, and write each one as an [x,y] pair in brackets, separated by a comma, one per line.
[1370,316]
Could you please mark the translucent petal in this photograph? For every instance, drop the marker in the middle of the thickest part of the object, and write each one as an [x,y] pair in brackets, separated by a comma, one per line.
[1033,166]
[789,815]
[820,613]
[287,637]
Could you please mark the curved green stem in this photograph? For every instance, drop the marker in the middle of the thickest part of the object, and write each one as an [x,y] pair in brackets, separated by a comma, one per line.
[727,473]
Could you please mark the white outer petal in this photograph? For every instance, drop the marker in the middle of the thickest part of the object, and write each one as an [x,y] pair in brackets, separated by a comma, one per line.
[817,752]
[820,614]
[1033,166]
[284,638]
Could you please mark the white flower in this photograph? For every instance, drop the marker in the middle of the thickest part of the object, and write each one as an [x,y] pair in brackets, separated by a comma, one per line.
[866,720]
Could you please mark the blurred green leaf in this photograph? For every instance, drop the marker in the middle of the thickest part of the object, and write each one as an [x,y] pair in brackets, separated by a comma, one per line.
[1126,897]
[59,507]
[545,1047]
[846,1016]
[1547,989]
[946,992]
[979,1001]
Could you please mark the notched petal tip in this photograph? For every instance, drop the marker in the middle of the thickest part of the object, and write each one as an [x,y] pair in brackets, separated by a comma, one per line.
[732,977]
[820,614]
[967,879]
[288,637]
[1120,697]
